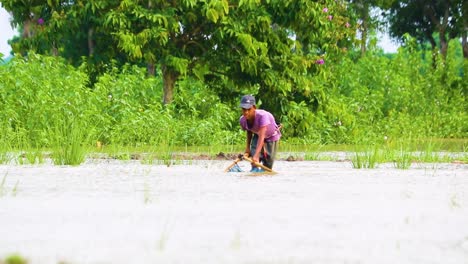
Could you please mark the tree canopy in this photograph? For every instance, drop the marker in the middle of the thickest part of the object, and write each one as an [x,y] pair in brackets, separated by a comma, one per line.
[272,45]
[269,46]
[422,19]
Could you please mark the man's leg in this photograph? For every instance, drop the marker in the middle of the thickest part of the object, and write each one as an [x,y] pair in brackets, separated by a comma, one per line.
[270,155]
[253,146]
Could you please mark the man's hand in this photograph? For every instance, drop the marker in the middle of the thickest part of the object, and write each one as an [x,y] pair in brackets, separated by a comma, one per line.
[256,158]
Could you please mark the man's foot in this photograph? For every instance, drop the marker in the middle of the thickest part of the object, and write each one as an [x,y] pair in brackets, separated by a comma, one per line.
[257,169]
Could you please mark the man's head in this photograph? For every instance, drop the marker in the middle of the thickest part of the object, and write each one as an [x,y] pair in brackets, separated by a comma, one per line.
[247,101]
[248,106]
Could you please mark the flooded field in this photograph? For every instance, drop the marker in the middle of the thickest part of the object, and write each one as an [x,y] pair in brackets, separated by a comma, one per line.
[108,211]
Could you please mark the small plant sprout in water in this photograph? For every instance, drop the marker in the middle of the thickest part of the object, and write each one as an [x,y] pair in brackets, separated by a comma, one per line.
[2,185]
[3,189]
[147,192]
[454,203]
[236,241]
[14,191]
[163,238]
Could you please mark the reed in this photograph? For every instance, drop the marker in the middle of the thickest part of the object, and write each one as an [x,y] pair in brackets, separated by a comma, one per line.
[402,159]
[32,156]
[5,149]
[366,159]
[68,144]
[430,152]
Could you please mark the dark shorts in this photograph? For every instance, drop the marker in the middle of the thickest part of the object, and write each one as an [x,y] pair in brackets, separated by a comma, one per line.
[267,156]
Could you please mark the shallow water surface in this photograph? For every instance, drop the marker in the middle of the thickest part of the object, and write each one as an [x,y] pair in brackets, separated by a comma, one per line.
[310,212]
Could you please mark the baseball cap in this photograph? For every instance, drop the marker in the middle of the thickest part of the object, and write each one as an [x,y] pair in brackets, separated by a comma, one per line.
[247,101]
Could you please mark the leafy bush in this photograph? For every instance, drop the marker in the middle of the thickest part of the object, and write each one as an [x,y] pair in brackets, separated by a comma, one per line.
[45,103]
[376,96]
[38,91]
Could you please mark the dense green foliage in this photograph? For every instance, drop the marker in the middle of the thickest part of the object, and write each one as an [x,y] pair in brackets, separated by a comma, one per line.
[228,45]
[299,57]
[44,102]
[425,19]
[41,97]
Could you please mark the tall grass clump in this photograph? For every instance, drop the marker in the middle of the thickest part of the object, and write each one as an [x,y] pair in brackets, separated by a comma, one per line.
[25,154]
[430,152]
[402,155]
[68,143]
[5,156]
[402,159]
[366,159]
[313,152]
[48,105]
[5,146]
[31,156]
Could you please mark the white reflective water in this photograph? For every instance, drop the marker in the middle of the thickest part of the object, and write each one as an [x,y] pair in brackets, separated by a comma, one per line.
[310,212]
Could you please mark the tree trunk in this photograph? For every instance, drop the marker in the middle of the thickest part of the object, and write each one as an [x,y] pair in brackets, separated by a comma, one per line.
[54,49]
[433,49]
[90,42]
[27,31]
[465,29]
[443,44]
[365,26]
[465,46]
[169,80]
[464,34]
[363,37]
[440,23]
[151,68]
[443,34]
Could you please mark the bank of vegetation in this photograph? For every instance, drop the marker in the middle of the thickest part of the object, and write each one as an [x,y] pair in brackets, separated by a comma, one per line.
[48,104]
[163,76]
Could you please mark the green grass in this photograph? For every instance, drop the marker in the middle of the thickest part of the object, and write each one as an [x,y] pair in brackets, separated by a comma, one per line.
[4,157]
[33,156]
[68,144]
[367,159]
[312,155]
[5,149]
[402,159]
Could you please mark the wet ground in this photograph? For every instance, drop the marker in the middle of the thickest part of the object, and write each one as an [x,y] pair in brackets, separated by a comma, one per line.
[108,211]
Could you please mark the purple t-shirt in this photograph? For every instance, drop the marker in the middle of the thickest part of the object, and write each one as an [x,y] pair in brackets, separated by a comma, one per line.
[263,118]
